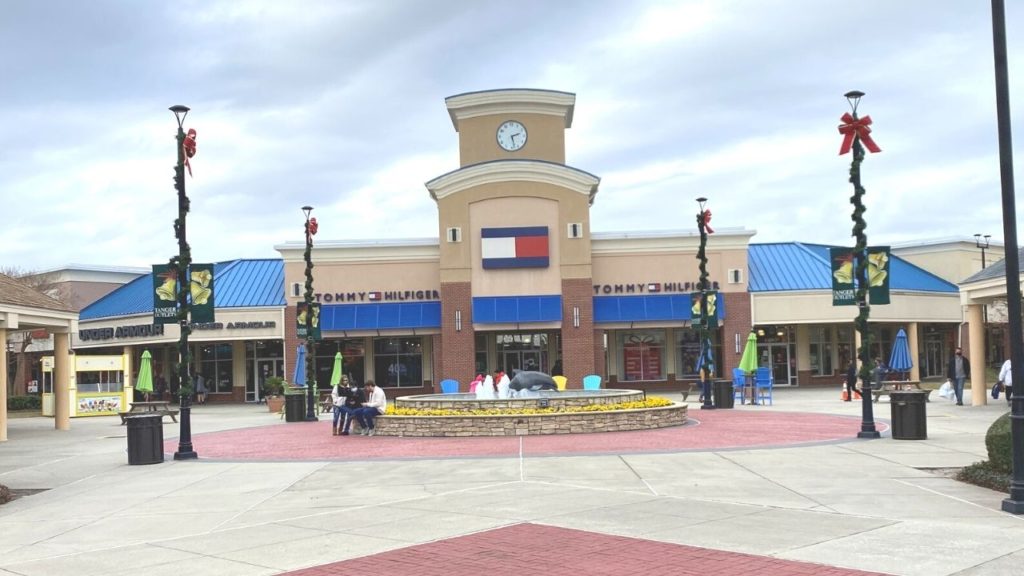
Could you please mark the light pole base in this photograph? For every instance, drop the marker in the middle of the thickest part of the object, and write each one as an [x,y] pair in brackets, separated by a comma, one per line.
[1013,506]
[186,455]
[869,434]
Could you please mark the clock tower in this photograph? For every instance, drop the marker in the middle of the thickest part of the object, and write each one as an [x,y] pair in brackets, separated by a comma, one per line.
[514,225]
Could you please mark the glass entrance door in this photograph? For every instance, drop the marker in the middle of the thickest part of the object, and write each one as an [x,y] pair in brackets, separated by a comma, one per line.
[522,351]
[933,365]
[263,369]
[776,356]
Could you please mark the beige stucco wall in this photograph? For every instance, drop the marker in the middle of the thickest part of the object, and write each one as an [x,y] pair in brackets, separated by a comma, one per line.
[359,278]
[816,307]
[545,138]
[953,261]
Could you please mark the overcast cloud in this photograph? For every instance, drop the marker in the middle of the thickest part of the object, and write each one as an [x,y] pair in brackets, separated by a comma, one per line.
[340,105]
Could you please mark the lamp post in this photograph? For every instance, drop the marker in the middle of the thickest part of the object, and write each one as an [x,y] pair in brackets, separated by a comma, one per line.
[983,244]
[867,426]
[706,360]
[310,341]
[182,262]
[1014,503]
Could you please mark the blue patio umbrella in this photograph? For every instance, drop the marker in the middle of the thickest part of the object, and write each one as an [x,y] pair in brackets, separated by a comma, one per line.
[706,356]
[300,367]
[900,361]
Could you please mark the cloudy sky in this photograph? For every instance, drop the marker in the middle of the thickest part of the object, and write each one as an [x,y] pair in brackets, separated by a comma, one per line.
[340,104]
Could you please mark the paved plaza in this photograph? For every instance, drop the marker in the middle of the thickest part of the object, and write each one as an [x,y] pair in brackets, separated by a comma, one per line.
[783,489]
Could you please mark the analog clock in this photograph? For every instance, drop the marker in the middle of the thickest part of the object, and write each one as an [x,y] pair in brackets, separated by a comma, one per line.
[511,135]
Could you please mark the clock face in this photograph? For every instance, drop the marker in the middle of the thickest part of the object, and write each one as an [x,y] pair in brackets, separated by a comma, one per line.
[511,135]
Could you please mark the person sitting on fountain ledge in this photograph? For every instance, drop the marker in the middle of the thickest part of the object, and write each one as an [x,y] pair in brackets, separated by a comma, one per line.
[375,405]
[347,399]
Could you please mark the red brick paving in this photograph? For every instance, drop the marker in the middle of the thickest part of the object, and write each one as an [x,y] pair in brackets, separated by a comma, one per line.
[711,430]
[525,549]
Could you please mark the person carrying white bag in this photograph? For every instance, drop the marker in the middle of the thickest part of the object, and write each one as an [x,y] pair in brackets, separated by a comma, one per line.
[1006,379]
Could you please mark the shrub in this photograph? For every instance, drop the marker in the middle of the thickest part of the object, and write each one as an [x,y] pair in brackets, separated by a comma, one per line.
[24,403]
[5,494]
[999,443]
[274,386]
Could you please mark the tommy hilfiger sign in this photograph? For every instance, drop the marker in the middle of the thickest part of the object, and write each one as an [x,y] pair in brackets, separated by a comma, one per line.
[650,288]
[395,296]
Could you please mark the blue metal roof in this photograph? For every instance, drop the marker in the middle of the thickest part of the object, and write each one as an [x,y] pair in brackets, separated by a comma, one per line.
[238,284]
[513,309]
[384,316]
[797,266]
[647,308]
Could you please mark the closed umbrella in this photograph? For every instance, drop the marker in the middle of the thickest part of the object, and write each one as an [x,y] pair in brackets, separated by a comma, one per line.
[336,373]
[899,360]
[145,382]
[300,367]
[748,362]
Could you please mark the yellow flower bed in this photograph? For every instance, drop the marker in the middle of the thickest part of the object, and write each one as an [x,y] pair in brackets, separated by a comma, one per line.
[650,402]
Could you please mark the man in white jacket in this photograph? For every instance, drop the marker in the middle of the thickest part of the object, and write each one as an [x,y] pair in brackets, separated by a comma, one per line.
[1006,377]
[375,405]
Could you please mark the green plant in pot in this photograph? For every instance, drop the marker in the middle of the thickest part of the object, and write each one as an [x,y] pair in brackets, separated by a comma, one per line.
[273,391]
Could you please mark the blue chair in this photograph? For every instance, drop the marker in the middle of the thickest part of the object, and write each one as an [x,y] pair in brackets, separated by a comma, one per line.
[763,385]
[449,386]
[592,382]
[739,380]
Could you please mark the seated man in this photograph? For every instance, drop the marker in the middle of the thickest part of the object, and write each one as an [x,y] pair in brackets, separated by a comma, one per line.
[376,404]
[347,400]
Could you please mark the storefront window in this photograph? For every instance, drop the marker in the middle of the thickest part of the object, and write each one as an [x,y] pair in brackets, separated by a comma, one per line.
[688,352]
[881,343]
[844,347]
[481,353]
[215,364]
[398,361]
[643,355]
[821,350]
[353,360]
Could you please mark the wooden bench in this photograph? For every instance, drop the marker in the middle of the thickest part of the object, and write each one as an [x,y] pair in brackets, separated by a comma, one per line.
[889,387]
[162,407]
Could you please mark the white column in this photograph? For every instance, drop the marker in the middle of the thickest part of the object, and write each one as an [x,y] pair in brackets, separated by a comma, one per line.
[976,335]
[3,384]
[61,381]
[912,343]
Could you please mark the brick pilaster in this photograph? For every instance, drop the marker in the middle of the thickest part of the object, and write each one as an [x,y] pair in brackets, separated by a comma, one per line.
[579,352]
[737,321]
[291,342]
[457,346]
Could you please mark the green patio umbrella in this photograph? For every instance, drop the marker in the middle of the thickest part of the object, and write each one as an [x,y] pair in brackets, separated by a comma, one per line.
[748,362]
[145,382]
[336,373]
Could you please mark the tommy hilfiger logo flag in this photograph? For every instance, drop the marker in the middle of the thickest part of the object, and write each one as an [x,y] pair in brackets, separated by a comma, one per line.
[522,247]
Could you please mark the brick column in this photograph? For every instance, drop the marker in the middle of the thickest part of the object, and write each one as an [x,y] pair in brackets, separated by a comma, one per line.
[291,343]
[436,354]
[579,351]
[737,321]
[457,345]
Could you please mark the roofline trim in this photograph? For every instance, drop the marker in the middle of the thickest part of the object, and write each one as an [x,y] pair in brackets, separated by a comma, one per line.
[494,171]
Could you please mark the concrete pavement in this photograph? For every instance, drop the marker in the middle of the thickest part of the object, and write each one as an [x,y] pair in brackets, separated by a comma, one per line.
[871,505]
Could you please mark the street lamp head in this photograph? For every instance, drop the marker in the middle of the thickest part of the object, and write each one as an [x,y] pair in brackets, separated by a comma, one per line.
[853,97]
[982,243]
[306,210]
[701,201]
[179,113]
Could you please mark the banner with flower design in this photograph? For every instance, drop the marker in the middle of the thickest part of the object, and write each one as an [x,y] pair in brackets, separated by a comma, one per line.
[314,321]
[878,275]
[165,294]
[696,318]
[201,290]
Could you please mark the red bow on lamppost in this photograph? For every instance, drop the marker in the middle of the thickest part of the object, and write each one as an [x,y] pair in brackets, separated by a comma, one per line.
[189,146]
[853,126]
[311,228]
[707,222]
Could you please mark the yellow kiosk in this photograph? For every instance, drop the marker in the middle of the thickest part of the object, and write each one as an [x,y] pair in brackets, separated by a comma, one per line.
[100,385]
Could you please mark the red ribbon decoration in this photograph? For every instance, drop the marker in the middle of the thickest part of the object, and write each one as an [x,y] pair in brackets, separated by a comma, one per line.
[859,127]
[707,222]
[311,228]
[189,147]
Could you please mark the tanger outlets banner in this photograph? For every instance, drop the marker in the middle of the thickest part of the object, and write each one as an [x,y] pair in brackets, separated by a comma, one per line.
[844,266]
[843,291]
[314,321]
[696,317]
[165,294]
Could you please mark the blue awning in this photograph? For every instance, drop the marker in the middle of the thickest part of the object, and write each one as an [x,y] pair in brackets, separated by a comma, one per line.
[389,316]
[648,308]
[517,309]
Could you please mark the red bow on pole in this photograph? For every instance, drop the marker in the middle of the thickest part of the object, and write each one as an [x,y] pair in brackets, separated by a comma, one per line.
[856,127]
[707,222]
[189,146]
[311,227]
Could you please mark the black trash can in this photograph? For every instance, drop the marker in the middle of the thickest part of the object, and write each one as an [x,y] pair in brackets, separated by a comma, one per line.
[295,407]
[722,393]
[909,421]
[145,439]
